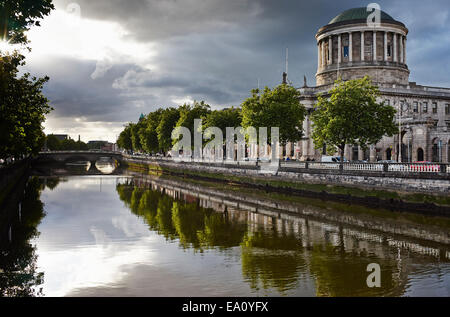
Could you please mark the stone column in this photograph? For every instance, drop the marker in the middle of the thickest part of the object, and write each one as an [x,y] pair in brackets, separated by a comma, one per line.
[401,49]
[360,153]
[339,49]
[385,47]
[330,50]
[323,54]
[362,45]
[348,151]
[318,55]
[350,46]
[374,44]
[404,49]
[395,46]
[373,153]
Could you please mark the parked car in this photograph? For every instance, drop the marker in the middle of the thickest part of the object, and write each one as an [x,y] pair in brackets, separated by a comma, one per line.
[335,159]
[387,161]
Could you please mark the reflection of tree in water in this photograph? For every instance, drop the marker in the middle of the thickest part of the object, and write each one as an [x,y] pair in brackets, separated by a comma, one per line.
[195,227]
[272,258]
[341,273]
[222,231]
[18,275]
[52,182]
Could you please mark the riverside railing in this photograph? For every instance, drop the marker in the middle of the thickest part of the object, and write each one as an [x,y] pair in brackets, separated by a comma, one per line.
[422,168]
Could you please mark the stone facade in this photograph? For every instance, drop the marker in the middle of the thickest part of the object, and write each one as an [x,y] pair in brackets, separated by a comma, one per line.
[352,49]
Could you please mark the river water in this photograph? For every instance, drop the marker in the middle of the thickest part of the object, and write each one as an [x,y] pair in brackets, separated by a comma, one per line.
[120,235]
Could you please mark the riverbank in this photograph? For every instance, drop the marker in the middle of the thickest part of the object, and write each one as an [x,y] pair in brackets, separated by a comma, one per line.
[222,197]
[416,202]
[12,177]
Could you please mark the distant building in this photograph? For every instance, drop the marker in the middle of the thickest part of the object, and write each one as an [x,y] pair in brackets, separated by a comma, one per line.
[108,147]
[60,137]
[96,144]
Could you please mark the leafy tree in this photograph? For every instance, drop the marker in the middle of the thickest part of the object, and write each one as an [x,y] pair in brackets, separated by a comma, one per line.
[135,138]
[148,134]
[23,108]
[53,143]
[169,119]
[228,117]
[188,113]
[124,141]
[278,107]
[351,115]
[17,16]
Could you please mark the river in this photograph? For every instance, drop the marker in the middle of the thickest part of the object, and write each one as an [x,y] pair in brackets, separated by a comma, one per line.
[136,235]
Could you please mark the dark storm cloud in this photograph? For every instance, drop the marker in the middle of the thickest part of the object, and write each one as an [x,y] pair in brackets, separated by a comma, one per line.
[217,50]
[73,93]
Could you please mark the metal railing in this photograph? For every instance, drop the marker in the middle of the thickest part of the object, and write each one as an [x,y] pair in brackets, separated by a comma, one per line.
[429,168]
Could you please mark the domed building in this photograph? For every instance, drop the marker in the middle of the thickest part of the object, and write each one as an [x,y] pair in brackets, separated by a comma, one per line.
[349,47]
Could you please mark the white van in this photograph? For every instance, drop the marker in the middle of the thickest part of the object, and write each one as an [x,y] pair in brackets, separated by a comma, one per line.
[335,159]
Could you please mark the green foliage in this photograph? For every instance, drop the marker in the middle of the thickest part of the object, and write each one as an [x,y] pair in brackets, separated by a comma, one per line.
[54,144]
[169,119]
[188,113]
[277,107]
[23,108]
[124,141]
[135,138]
[17,16]
[351,115]
[228,117]
[148,134]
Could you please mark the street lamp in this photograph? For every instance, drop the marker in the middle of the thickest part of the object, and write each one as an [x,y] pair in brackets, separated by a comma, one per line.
[402,106]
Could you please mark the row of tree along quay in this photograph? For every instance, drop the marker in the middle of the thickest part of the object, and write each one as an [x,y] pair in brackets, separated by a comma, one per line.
[348,114]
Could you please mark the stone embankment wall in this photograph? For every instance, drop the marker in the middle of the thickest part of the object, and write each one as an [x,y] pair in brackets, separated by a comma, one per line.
[428,183]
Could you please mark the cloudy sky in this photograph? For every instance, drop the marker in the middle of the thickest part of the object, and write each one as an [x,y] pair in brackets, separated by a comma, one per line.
[111,60]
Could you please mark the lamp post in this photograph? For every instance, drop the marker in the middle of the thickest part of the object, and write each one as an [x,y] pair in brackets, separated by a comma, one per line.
[402,106]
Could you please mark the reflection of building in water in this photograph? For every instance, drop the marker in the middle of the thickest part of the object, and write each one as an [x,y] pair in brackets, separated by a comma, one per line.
[256,213]
[279,250]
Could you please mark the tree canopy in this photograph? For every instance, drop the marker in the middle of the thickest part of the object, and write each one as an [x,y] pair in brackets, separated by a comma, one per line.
[23,108]
[167,123]
[17,16]
[351,115]
[278,107]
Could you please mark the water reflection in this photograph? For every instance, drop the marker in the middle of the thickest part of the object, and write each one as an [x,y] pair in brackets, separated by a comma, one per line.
[178,241]
[277,254]
[19,275]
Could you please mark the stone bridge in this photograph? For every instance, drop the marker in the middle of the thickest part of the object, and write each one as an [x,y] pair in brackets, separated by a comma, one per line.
[73,156]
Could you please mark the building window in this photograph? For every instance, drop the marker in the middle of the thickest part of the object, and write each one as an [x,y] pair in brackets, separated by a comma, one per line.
[447,108]
[389,48]
[425,107]
[388,102]
[368,49]
[345,51]
[415,107]
[434,107]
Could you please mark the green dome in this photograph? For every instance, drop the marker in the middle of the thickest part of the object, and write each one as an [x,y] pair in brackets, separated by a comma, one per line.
[358,14]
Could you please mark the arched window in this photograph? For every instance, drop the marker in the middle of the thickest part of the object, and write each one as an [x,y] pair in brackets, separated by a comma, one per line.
[420,154]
